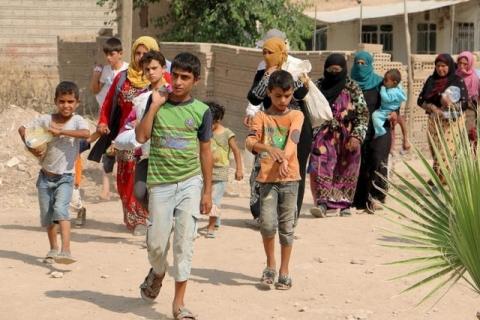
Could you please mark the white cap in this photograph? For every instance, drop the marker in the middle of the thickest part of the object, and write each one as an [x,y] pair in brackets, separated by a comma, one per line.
[272,33]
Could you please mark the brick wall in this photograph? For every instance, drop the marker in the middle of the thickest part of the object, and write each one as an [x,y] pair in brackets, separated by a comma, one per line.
[44,41]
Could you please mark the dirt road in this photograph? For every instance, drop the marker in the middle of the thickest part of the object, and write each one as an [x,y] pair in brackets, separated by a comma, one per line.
[337,271]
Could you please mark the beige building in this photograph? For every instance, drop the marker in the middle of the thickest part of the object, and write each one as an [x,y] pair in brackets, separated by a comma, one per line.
[435,25]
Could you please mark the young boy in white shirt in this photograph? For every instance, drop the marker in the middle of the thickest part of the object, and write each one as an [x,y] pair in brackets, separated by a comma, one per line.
[57,158]
[102,79]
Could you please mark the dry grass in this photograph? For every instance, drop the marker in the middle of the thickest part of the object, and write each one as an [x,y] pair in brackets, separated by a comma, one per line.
[25,88]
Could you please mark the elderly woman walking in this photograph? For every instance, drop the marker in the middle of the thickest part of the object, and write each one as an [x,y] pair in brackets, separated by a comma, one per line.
[336,154]
[113,115]
[438,104]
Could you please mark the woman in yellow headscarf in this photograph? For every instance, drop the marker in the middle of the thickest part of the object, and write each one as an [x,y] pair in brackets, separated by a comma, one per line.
[275,56]
[274,53]
[116,107]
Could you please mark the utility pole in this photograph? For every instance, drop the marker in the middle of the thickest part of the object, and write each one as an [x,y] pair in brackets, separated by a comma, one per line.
[452,27]
[410,97]
[125,13]
[314,39]
[360,21]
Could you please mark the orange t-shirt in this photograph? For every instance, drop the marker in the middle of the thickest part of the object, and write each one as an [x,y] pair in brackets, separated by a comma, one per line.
[281,131]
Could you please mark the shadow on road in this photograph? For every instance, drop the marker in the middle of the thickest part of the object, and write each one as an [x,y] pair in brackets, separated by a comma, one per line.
[79,236]
[113,303]
[29,259]
[220,277]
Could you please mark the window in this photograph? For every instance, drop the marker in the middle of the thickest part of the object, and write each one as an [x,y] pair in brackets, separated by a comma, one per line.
[320,39]
[464,37]
[380,34]
[426,38]
[369,34]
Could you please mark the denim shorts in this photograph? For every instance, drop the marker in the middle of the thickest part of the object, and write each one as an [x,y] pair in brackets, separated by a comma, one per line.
[218,190]
[108,162]
[54,196]
[278,204]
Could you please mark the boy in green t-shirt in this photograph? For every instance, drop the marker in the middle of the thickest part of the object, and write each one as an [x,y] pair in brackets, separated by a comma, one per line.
[179,128]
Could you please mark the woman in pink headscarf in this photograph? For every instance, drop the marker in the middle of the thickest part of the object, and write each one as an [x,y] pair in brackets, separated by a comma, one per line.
[466,71]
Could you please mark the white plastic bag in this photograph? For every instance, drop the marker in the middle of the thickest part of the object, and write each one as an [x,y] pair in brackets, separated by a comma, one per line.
[126,140]
[297,67]
[317,106]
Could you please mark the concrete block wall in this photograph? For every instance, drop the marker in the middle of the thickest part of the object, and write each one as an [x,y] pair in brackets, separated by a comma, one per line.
[60,40]
[44,41]
[231,70]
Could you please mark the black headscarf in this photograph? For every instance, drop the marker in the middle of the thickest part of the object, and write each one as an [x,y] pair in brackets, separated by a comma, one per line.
[436,84]
[333,83]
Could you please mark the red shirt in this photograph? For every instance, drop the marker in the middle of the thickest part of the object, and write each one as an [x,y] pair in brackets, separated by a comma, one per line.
[125,101]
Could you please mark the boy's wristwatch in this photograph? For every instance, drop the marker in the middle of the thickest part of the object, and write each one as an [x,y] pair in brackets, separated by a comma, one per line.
[97,69]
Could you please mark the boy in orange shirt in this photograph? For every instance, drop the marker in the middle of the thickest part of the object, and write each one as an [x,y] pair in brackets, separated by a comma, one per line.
[274,134]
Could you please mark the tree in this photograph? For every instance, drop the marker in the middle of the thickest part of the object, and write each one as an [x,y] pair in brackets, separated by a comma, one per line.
[237,22]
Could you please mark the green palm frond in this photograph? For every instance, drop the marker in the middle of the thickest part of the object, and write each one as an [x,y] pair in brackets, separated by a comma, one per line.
[441,222]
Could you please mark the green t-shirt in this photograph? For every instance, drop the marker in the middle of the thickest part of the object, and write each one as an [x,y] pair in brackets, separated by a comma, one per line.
[177,128]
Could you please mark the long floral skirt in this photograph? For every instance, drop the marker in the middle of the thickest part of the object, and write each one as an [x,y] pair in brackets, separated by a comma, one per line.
[133,212]
[434,140]
[333,170]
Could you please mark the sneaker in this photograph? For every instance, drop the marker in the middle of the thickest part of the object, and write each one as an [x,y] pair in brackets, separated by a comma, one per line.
[140,230]
[64,258]
[150,288]
[319,211]
[345,212]
[50,257]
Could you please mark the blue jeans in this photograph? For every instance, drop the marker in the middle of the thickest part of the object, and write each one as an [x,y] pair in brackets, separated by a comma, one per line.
[278,203]
[54,196]
[173,207]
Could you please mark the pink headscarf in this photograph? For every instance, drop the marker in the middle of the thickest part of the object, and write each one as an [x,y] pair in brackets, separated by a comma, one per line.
[469,76]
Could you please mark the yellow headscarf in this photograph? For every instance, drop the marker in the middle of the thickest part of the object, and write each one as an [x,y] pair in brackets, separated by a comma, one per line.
[279,49]
[134,73]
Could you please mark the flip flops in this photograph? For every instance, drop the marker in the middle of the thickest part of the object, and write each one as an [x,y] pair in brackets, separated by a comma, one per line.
[284,282]
[268,277]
